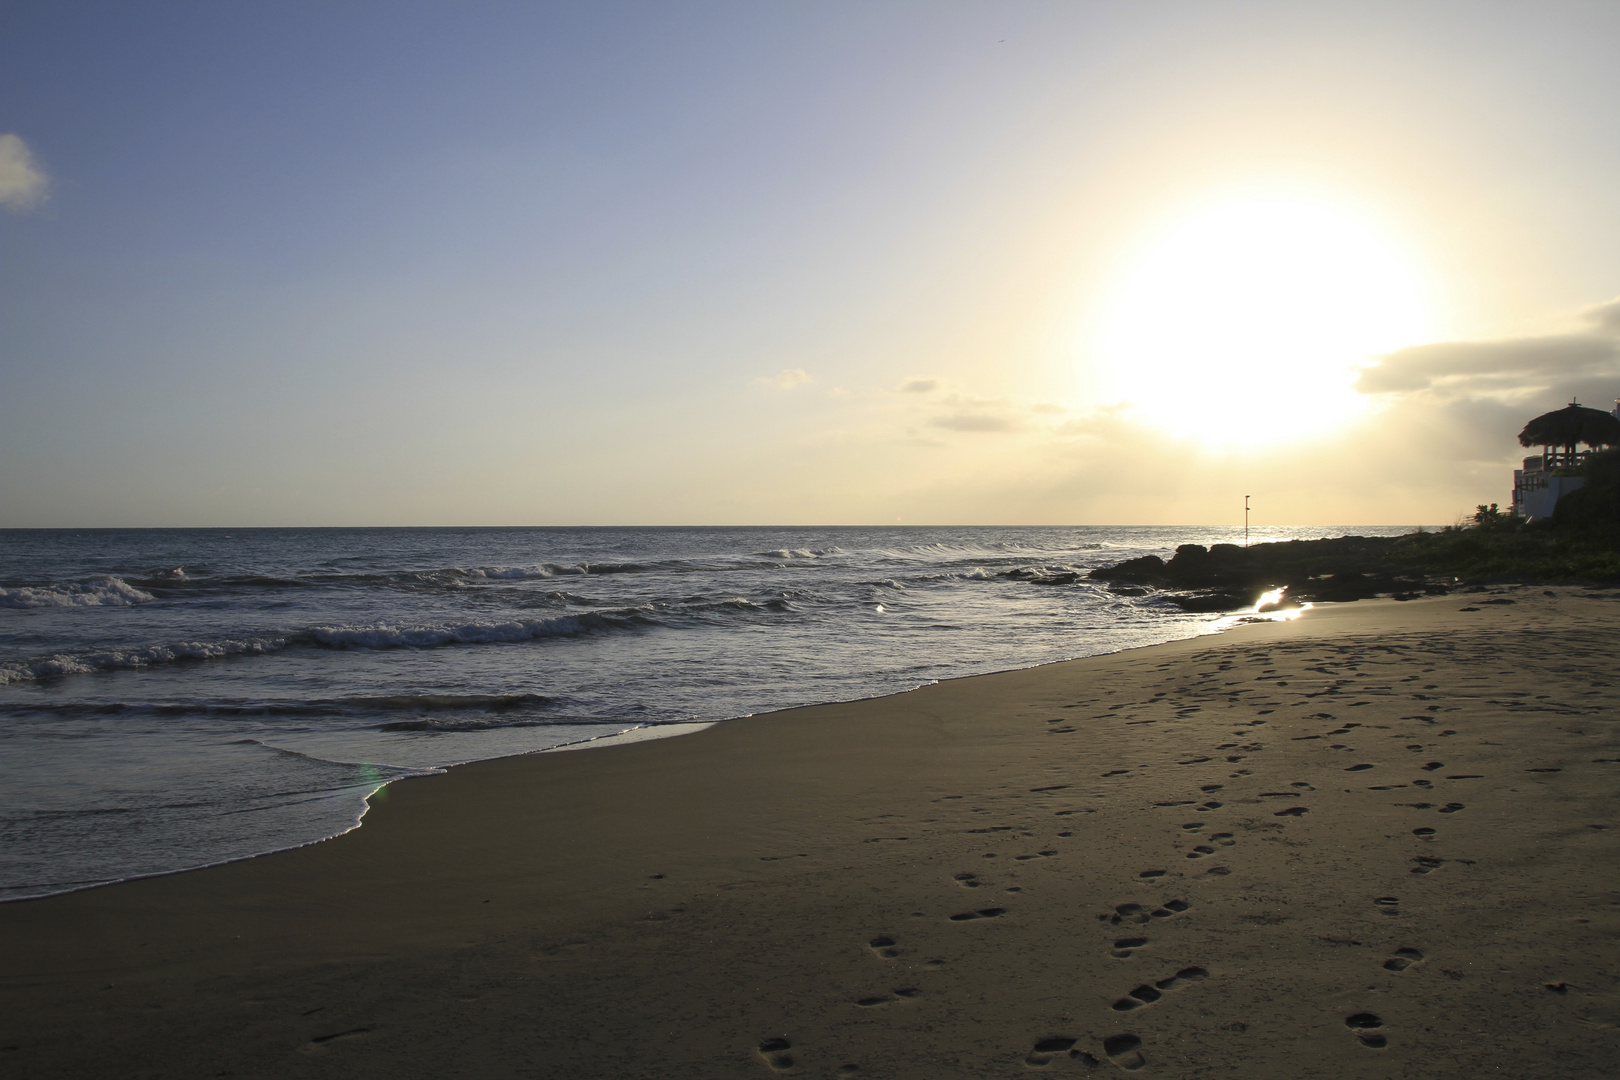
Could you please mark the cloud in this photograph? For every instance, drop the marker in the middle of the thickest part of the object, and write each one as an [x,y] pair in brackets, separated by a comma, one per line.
[1487,366]
[1508,366]
[22,181]
[975,421]
[919,386]
[1605,317]
[786,379]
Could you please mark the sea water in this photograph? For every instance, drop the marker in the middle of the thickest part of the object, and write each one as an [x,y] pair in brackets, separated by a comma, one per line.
[174,698]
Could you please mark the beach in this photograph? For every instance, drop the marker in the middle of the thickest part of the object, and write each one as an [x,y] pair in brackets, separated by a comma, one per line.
[1377,841]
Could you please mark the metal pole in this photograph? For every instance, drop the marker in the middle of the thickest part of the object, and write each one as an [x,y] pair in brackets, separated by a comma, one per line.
[1246,520]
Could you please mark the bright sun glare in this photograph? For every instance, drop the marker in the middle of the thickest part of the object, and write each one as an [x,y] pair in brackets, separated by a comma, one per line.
[1243,322]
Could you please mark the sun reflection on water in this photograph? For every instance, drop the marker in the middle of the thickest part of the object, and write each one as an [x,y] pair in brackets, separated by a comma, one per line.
[1266,609]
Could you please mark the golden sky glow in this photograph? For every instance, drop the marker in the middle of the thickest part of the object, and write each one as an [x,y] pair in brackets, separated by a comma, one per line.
[1241,319]
[1033,261]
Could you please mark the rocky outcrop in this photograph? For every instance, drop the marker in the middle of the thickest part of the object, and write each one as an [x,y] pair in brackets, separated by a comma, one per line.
[1227,577]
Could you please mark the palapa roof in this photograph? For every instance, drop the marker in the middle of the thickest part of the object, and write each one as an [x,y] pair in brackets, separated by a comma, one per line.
[1570,425]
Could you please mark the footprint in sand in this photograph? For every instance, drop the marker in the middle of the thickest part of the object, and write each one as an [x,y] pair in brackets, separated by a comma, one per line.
[1292,811]
[1136,913]
[1363,1024]
[1426,864]
[1037,855]
[320,1042]
[1207,807]
[1125,946]
[774,1052]
[884,947]
[982,913]
[1403,959]
[906,993]
[967,881]
[1125,1051]
[1054,1046]
[1147,995]
[1200,851]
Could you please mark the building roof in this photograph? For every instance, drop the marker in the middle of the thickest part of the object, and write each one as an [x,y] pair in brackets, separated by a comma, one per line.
[1570,425]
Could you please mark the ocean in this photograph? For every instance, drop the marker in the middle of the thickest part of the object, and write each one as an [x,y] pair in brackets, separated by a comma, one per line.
[175,698]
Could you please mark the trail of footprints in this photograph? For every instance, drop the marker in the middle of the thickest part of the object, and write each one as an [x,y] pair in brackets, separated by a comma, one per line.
[1199,851]
[1138,915]
[1147,994]
[1125,1050]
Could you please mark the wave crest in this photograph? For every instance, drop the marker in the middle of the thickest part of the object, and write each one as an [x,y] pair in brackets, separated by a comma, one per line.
[62,665]
[105,591]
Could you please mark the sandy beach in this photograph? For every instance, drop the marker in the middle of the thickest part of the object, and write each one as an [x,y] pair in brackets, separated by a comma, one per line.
[1379,841]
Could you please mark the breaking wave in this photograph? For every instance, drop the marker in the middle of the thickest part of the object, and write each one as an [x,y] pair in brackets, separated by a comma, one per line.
[386,636]
[106,591]
[490,704]
[801,553]
[380,635]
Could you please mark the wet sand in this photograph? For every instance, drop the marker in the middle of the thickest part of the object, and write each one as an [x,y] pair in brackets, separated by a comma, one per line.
[1381,841]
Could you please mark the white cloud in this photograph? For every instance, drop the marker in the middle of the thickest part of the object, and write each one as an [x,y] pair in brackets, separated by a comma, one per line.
[1507,367]
[22,181]
[976,421]
[1491,366]
[786,379]
[1604,316]
[919,386]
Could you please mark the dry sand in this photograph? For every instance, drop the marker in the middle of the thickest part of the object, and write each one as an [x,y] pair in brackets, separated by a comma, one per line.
[1198,859]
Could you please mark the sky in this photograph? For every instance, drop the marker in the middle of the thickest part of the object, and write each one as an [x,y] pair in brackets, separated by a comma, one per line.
[480,263]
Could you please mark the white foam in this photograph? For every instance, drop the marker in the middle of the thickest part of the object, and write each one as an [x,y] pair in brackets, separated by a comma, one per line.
[105,591]
[510,573]
[61,664]
[386,636]
[803,553]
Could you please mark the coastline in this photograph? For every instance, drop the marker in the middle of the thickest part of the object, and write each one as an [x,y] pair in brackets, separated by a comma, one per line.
[644,733]
[672,906]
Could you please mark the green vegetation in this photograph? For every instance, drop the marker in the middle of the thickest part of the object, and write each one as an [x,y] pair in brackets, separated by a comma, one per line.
[1508,548]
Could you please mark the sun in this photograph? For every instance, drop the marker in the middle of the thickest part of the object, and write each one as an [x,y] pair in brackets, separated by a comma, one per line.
[1243,321]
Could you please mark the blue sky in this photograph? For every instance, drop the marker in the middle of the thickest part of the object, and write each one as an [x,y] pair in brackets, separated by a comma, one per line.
[367,263]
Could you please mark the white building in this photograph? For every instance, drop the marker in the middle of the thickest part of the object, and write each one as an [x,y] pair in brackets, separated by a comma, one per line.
[1553,473]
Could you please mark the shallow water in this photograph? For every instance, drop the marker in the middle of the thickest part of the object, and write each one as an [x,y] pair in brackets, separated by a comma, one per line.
[176,698]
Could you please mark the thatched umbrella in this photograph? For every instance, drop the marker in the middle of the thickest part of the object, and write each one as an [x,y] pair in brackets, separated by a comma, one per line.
[1570,425]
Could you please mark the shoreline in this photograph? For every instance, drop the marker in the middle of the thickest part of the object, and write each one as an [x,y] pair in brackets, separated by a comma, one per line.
[678,906]
[644,733]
